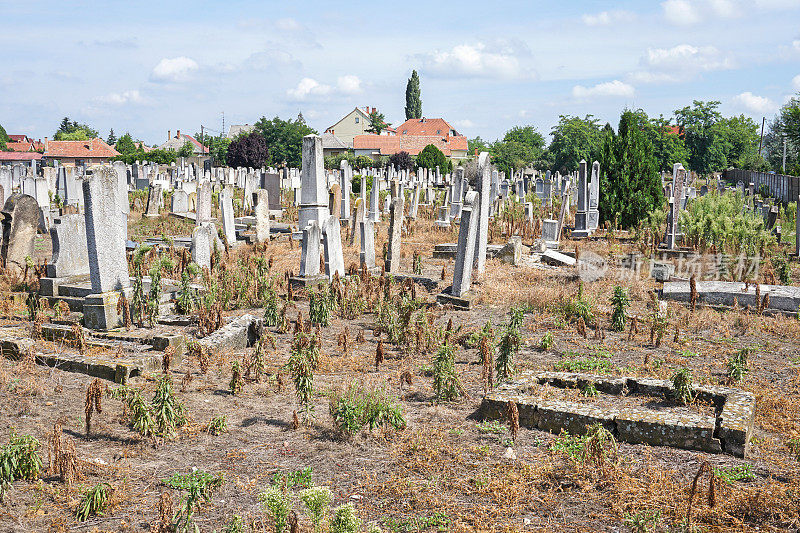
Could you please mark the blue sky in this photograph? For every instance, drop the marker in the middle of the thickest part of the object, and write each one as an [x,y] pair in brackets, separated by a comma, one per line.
[149,67]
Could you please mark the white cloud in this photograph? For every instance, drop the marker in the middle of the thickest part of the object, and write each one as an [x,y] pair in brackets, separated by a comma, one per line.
[479,60]
[465,123]
[604,18]
[348,84]
[726,8]
[309,88]
[680,63]
[796,44]
[681,12]
[614,88]
[126,97]
[288,24]
[754,103]
[174,69]
[796,82]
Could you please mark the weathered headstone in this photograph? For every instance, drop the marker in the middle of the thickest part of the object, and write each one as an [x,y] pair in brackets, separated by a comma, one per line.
[314,190]
[482,237]
[582,215]
[70,255]
[154,198]
[262,215]
[20,221]
[367,230]
[201,246]
[228,223]
[395,235]
[462,272]
[355,222]
[105,239]
[309,252]
[332,242]
[593,219]
[180,202]
[204,203]
[550,233]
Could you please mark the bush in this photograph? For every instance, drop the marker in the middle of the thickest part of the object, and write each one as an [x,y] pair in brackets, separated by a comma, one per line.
[361,162]
[446,385]
[277,504]
[620,302]
[19,459]
[355,407]
[431,157]
[95,501]
[345,520]
[198,485]
[682,384]
[401,160]
[317,500]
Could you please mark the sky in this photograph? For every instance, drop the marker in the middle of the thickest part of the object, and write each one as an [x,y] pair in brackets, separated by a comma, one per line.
[152,67]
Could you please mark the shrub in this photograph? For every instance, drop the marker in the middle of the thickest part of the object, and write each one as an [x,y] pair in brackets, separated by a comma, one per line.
[431,157]
[317,500]
[95,501]
[277,505]
[620,302]
[355,407]
[168,412]
[508,347]
[320,304]
[19,459]
[737,364]
[198,485]
[302,360]
[446,385]
[682,384]
[547,341]
[345,520]
[401,161]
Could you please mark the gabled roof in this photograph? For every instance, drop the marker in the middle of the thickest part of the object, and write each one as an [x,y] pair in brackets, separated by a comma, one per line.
[18,138]
[96,148]
[358,109]
[19,146]
[20,156]
[332,142]
[425,126]
[413,144]
[177,142]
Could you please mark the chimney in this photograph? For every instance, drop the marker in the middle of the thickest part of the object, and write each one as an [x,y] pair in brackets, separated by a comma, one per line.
[169,134]
[45,144]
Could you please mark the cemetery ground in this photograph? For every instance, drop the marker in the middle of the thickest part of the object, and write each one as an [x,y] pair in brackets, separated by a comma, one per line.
[445,467]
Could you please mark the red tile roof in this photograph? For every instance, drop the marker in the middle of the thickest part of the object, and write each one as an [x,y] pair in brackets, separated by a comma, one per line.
[19,156]
[424,126]
[96,148]
[19,146]
[413,144]
[203,149]
[18,138]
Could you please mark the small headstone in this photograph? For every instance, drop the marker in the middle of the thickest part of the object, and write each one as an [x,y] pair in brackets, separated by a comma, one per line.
[395,235]
[180,202]
[201,246]
[262,215]
[20,221]
[332,241]
[154,199]
[367,230]
[309,252]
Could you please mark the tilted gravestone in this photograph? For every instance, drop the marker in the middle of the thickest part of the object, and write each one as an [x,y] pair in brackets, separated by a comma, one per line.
[262,215]
[332,241]
[367,256]
[20,221]
[395,238]
[201,246]
[482,237]
[154,198]
[105,239]
[309,253]
[462,272]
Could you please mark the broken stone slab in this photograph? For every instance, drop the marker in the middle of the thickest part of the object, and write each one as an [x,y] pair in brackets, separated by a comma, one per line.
[465,302]
[693,432]
[552,257]
[662,271]
[236,335]
[448,250]
[511,253]
[727,293]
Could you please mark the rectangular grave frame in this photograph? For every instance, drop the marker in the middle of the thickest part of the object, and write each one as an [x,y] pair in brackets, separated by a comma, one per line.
[729,431]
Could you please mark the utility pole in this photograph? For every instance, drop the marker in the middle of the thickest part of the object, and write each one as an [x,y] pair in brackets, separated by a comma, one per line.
[761,142]
[223,123]
[783,165]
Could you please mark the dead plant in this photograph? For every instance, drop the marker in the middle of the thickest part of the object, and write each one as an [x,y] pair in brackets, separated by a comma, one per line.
[379,353]
[705,468]
[169,351]
[693,292]
[512,412]
[581,327]
[94,395]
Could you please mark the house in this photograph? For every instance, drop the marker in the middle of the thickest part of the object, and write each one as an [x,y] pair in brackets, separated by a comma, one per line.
[177,142]
[356,122]
[19,158]
[412,136]
[23,143]
[237,129]
[333,145]
[78,153]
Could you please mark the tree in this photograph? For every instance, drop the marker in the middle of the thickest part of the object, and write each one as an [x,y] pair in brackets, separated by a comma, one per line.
[70,130]
[742,140]
[668,146]
[112,139]
[790,123]
[527,135]
[125,144]
[401,160]
[413,100]
[511,155]
[702,130]
[3,138]
[248,151]
[630,186]
[377,122]
[284,139]
[363,161]
[574,138]
[431,157]
[479,144]
[773,148]
[217,147]
[187,150]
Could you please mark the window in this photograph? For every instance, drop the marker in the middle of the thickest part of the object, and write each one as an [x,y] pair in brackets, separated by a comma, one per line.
[405,131]
[356,120]
[438,132]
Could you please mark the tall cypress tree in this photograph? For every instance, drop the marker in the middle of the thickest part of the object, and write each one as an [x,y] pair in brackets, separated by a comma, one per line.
[630,186]
[413,101]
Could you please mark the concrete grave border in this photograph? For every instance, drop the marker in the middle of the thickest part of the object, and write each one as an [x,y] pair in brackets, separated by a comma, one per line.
[728,431]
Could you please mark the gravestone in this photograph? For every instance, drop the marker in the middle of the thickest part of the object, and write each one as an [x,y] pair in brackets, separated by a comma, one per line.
[442,217]
[201,246]
[70,257]
[582,214]
[367,256]
[20,221]
[457,194]
[228,224]
[309,252]
[345,184]
[314,190]
[180,202]
[462,272]
[332,242]
[271,182]
[395,235]
[355,222]
[482,237]
[154,198]
[204,203]
[550,233]
[594,198]
[673,215]
[105,239]
[262,215]
[335,200]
